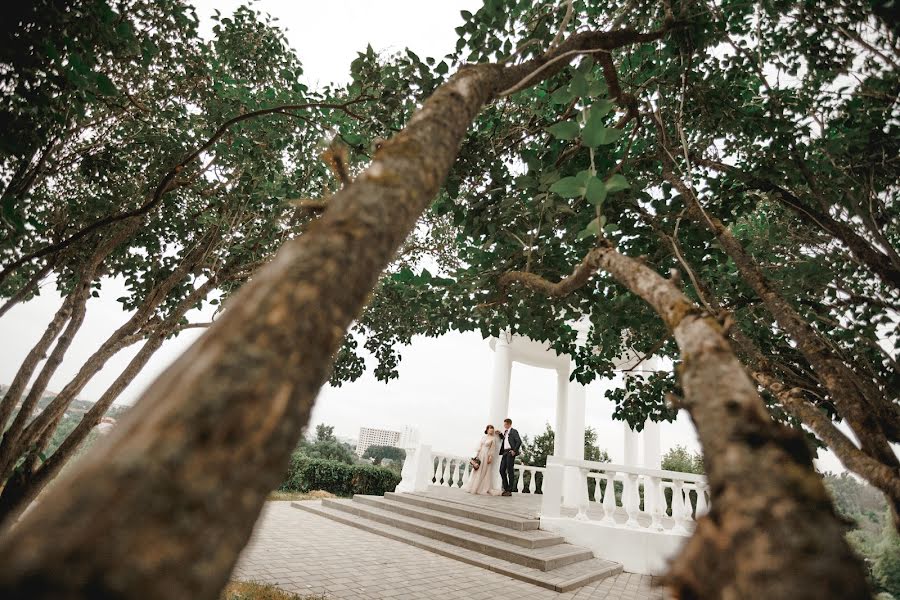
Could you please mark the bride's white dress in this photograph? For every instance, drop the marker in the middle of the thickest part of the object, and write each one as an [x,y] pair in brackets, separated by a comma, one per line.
[480,481]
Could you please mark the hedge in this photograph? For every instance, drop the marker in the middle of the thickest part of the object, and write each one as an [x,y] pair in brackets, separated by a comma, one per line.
[308,474]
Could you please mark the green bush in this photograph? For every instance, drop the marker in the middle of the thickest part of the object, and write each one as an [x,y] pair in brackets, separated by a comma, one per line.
[887,559]
[308,474]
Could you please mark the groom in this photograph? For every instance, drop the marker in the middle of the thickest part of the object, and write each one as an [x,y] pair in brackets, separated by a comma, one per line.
[510,444]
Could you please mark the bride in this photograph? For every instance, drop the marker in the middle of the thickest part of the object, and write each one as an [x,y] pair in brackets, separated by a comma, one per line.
[480,480]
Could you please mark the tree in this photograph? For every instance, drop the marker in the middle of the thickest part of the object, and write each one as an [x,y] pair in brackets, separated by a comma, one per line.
[679,459]
[537,451]
[379,453]
[248,374]
[887,562]
[325,433]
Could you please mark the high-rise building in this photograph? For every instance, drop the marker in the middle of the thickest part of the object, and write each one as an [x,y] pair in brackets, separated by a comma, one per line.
[369,436]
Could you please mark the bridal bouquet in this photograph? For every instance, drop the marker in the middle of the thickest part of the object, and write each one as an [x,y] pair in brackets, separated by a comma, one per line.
[475,463]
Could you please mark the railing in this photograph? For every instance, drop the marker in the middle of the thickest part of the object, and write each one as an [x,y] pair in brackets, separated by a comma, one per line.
[632,497]
[532,486]
[454,471]
[450,470]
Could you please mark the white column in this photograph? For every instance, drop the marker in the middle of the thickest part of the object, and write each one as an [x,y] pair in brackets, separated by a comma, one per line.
[574,482]
[652,457]
[631,445]
[562,419]
[499,408]
[500,383]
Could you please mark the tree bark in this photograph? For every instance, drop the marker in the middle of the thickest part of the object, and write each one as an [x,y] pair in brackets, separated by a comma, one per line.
[17,446]
[771,532]
[25,485]
[32,359]
[180,482]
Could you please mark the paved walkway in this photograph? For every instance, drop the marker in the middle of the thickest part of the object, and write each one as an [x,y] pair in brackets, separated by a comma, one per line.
[308,554]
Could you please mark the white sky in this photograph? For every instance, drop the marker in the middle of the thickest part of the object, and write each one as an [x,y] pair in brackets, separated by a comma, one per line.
[444,383]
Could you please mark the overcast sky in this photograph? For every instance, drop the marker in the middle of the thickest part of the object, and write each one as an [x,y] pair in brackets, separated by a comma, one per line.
[444,383]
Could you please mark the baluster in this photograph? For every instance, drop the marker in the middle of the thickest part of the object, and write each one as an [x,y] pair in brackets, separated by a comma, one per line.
[609,498]
[583,498]
[678,508]
[632,501]
[444,471]
[520,484]
[467,472]
[454,472]
[652,502]
[434,476]
[702,505]
[689,505]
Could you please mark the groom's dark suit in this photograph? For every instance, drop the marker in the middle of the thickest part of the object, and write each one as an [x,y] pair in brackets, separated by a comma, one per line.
[508,453]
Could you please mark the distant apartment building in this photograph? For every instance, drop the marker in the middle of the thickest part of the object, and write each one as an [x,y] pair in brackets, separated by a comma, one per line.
[369,436]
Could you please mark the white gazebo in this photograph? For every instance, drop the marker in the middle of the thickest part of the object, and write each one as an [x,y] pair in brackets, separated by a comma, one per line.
[569,423]
[641,524]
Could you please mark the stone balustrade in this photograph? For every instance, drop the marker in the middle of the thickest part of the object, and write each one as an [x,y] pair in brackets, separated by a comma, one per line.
[451,470]
[627,496]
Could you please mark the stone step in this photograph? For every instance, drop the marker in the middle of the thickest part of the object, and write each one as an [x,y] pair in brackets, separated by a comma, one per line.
[562,579]
[534,538]
[543,559]
[463,510]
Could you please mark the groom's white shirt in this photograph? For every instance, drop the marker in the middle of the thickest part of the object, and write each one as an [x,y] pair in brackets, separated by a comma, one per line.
[504,446]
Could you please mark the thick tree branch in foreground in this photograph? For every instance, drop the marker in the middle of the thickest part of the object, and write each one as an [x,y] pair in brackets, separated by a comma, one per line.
[163,505]
[771,532]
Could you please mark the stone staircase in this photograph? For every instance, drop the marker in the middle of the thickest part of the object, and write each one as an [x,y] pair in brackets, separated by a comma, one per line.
[508,544]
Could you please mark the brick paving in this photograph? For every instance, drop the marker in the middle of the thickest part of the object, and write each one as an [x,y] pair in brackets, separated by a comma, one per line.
[309,554]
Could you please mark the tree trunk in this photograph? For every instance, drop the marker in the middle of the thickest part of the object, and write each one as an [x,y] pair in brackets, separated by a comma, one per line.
[25,485]
[33,358]
[77,305]
[22,442]
[771,532]
[162,507]
[11,443]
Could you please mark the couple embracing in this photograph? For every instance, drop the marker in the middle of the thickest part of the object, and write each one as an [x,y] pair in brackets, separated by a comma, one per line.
[497,446]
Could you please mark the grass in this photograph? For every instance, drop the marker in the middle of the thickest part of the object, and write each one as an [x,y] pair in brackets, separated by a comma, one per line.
[298,496]
[248,590]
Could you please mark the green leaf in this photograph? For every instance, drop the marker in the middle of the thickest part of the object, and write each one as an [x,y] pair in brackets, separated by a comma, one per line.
[568,187]
[105,85]
[567,130]
[598,135]
[593,228]
[597,87]
[578,86]
[442,68]
[466,15]
[595,191]
[593,133]
[561,96]
[617,183]
[602,107]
